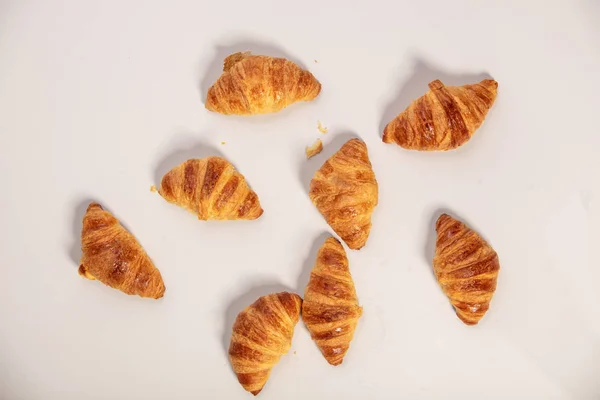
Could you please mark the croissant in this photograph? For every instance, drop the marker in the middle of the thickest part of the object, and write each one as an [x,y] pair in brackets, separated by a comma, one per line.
[259,85]
[211,188]
[345,191]
[330,309]
[444,118]
[113,256]
[262,333]
[466,268]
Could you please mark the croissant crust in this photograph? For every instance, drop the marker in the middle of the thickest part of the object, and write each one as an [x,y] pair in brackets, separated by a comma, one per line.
[466,268]
[113,256]
[345,191]
[252,84]
[330,309]
[211,188]
[444,118]
[262,333]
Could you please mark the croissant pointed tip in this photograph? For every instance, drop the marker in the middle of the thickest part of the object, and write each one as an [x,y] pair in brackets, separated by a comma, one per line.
[255,392]
[490,82]
[93,205]
[441,219]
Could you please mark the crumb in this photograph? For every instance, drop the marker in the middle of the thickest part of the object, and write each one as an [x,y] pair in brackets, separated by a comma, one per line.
[321,128]
[314,149]
[294,352]
[153,189]
[222,142]
[316,61]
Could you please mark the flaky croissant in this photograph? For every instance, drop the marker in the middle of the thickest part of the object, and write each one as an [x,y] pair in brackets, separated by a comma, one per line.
[259,85]
[345,191]
[211,188]
[262,333]
[466,268]
[330,309]
[444,118]
[113,256]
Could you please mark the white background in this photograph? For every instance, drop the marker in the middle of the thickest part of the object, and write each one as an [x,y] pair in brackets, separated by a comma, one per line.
[99,98]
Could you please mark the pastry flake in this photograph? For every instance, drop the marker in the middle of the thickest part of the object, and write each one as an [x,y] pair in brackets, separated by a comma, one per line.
[262,333]
[113,256]
[330,309]
[253,84]
[314,149]
[345,192]
[212,189]
[444,118]
[466,268]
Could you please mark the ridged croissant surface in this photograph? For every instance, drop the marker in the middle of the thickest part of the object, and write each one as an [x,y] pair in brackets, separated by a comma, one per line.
[345,191]
[330,309]
[444,118]
[466,268]
[113,256]
[262,333]
[259,85]
[212,189]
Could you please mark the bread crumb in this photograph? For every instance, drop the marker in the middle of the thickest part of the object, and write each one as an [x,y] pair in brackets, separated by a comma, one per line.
[316,61]
[222,142]
[321,128]
[294,352]
[314,149]
[153,189]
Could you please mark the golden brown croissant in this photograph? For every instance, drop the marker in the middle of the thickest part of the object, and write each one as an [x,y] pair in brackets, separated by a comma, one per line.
[259,85]
[330,309]
[345,191]
[210,188]
[113,256]
[466,268]
[262,333]
[444,118]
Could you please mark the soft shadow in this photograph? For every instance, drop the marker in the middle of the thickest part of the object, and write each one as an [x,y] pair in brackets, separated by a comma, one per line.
[309,262]
[76,225]
[186,150]
[417,85]
[215,67]
[250,295]
[309,167]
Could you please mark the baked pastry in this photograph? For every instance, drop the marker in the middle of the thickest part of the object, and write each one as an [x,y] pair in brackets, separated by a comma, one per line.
[259,85]
[444,118]
[466,268]
[345,191]
[314,149]
[113,256]
[330,309]
[211,188]
[262,333]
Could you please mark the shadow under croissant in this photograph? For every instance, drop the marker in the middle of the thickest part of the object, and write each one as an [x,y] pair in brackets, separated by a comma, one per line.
[76,226]
[417,85]
[251,294]
[215,67]
[309,167]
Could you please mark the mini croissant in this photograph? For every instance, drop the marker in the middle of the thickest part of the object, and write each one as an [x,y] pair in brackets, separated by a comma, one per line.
[210,188]
[330,309]
[466,268]
[113,256]
[345,191]
[444,118]
[259,85]
[262,333]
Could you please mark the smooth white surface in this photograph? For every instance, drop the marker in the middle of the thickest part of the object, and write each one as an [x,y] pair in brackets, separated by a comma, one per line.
[99,99]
